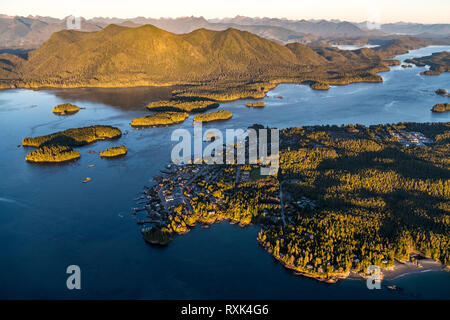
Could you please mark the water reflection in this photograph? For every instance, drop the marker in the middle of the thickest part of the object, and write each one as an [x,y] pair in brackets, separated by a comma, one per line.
[123,98]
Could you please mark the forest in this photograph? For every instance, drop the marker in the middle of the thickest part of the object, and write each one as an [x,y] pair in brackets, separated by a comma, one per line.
[74,137]
[52,154]
[213,116]
[114,152]
[56,147]
[160,119]
[65,109]
[353,196]
[441,107]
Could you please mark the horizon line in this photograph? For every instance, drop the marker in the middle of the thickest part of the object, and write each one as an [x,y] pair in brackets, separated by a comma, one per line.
[215,18]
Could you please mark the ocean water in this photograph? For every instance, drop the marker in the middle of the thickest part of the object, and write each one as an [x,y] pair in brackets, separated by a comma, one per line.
[50,220]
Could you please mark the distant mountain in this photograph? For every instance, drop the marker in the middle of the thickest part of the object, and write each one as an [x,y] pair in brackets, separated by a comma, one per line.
[317,27]
[405,28]
[32,31]
[29,32]
[174,25]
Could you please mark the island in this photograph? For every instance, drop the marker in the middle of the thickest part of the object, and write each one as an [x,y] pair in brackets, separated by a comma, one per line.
[56,147]
[65,109]
[213,116]
[182,105]
[74,137]
[392,62]
[160,119]
[439,62]
[441,107]
[320,86]
[114,152]
[52,154]
[191,62]
[317,217]
[255,104]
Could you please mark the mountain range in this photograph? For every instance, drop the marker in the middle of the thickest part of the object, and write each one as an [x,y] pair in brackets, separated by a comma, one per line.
[32,31]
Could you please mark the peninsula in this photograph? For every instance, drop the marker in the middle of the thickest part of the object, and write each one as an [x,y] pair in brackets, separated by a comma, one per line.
[438,62]
[318,218]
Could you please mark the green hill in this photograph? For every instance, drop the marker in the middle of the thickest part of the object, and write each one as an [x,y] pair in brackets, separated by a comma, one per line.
[119,56]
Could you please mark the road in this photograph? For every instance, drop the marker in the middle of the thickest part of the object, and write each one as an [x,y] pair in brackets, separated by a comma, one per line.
[283,217]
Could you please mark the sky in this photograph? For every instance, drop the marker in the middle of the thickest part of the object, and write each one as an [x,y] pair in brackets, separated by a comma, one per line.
[380,11]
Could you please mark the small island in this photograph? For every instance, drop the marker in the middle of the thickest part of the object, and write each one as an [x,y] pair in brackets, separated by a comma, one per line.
[74,137]
[320,86]
[213,116]
[56,147]
[431,73]
[114,152]
[183,105]
[392,62]
[255,104]
[65,109]
[442,92]
[157,236]
[441,107]
[52,154]
[160,119]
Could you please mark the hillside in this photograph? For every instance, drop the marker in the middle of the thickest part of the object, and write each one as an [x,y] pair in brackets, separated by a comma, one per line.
[119,56]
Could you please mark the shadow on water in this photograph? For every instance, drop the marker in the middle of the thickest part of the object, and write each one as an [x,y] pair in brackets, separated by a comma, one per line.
[135,98]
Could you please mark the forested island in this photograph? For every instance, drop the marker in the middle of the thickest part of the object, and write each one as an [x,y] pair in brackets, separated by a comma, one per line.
[74,137]
[439,62]
[344,198]
[441,107]
[114,152]
[320,86]
[442,92]
[182,105]
[255,104]
[65,109]
[119,56]
[53,154]
[213,116]
[160,119]
[56,147]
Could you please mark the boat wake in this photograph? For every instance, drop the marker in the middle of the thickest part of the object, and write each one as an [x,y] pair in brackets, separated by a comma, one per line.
[20,204]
